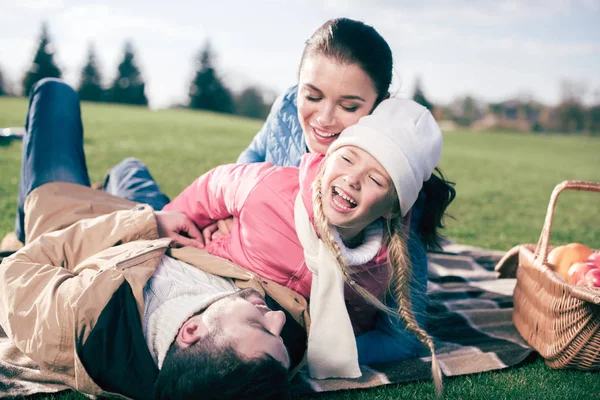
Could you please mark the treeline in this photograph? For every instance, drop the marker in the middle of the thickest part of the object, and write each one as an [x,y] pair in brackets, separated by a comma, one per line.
[521,113]
[207,90]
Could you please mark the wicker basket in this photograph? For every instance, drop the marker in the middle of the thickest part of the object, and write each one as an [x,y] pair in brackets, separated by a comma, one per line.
[559,320]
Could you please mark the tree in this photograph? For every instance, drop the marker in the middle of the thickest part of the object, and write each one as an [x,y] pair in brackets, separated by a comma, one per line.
[419,96]
[467,109]
[90,86]
[572,116]
[3,89]
[128,87]
[571,112]
[207,92]
[43,65]
[594,119]
[251,103]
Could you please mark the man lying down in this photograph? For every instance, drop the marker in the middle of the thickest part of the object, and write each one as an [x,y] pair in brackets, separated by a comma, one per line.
[106,306]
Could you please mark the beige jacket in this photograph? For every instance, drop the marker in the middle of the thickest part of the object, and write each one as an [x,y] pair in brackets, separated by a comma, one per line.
[82,245]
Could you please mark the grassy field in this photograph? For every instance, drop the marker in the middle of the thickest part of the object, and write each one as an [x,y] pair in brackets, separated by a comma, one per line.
[503,181]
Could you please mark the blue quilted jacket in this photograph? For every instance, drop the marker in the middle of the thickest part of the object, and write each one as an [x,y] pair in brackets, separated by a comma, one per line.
[281,142]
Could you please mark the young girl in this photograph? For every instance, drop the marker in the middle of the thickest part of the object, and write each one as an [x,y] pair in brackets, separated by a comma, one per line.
[345,71]
[362,190]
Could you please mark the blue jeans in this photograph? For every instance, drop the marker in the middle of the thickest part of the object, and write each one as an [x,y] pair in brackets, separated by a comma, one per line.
[53,152]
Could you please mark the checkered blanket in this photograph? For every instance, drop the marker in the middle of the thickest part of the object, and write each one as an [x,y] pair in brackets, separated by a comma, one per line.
[470,316]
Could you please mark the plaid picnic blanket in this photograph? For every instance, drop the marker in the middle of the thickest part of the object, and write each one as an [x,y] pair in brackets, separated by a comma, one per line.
[470,316]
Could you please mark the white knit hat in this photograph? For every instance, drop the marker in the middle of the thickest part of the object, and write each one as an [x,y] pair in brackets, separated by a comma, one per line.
[406,140]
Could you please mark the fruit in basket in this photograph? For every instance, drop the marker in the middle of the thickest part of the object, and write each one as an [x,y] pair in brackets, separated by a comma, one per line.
[562,257]
[578,271]
[594,258]
[593,277]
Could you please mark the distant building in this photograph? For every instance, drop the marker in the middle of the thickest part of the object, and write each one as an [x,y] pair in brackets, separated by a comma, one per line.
[443,115]
[514,115]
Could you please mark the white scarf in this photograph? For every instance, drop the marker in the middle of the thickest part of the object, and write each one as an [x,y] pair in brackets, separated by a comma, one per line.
[331,351]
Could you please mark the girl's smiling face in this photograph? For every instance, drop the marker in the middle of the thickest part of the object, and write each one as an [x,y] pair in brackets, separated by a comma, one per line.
[331,97]
[356,190]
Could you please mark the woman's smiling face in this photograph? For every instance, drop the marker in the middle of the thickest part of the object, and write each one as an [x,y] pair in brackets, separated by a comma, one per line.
[356,190]
[331,97]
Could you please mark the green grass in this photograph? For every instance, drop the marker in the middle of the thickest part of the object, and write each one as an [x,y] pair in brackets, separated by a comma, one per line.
[503,180]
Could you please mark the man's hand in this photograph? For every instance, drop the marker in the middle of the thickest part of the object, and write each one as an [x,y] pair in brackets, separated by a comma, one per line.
[177,226]
[220,228]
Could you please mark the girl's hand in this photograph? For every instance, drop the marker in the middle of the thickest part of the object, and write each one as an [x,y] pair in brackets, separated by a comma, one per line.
[220,228]
[179,227]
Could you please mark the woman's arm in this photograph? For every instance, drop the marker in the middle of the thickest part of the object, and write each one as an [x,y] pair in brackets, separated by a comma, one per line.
[257,150]
[280,140]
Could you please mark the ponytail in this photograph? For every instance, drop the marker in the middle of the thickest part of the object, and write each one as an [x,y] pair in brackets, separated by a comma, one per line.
[439,193]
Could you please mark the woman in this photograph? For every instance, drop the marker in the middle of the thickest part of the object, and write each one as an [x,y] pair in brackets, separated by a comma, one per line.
[345,72]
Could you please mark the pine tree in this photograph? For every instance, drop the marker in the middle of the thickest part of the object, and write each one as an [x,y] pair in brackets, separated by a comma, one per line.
[419,96]
[43,65]
[90,87]
[207,92]
[128,87]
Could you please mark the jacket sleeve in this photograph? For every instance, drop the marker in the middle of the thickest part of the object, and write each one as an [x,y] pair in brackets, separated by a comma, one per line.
[390,341]
[257,150]
[40,286]
[219,193]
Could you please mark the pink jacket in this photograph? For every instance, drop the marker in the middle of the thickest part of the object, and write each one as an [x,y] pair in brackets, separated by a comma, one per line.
[263,239]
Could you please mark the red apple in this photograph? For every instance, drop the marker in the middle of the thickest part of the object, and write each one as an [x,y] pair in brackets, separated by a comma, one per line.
[594,258]
[593,277]
[578,271]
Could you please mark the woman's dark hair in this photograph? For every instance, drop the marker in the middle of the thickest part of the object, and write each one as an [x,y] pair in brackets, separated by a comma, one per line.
[353,42]
[439,193]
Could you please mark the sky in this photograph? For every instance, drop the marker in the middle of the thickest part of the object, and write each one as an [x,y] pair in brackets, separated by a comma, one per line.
[493,50]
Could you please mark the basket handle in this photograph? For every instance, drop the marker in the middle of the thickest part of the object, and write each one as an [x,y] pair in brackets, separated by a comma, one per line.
[542,246]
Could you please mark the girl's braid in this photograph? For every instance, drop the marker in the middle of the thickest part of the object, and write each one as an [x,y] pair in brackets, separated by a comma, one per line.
[327,237]
[402,271]
[399,261]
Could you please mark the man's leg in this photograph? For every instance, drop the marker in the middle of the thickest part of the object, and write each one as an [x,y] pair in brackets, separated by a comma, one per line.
[53,142]
[131,180]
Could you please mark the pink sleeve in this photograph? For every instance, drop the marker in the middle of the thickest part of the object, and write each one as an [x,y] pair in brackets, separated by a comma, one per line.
[219,193]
